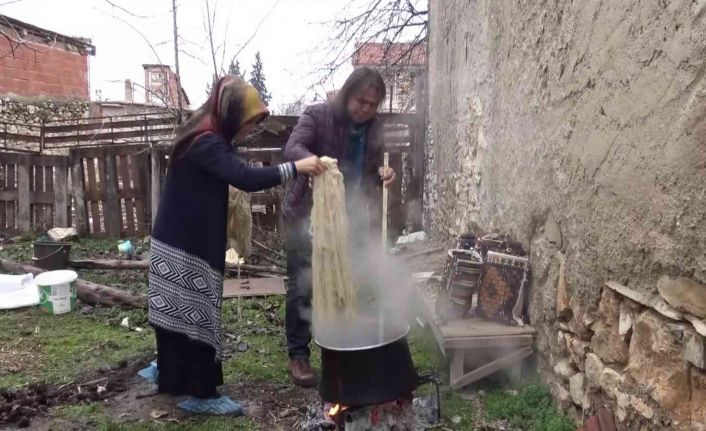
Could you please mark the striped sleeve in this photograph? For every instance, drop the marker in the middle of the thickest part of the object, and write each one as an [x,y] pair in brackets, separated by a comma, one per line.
[287,171]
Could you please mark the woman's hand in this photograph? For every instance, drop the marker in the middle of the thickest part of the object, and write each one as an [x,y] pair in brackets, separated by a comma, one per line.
[310,166]
[386,177]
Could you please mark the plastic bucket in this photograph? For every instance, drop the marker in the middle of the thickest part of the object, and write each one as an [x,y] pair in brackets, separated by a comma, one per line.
[57,291]
[52,255]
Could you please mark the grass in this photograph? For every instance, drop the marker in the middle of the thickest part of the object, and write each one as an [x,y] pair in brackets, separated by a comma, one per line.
[94,416]
[58,349]
[532,409]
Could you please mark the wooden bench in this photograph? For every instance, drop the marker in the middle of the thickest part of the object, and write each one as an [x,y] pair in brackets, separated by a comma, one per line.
[477,348]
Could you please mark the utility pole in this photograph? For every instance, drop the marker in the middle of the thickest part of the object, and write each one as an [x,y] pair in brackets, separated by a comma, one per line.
[176,61]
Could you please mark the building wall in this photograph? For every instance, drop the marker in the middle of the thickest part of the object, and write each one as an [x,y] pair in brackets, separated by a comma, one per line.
[580,129]
[58,71]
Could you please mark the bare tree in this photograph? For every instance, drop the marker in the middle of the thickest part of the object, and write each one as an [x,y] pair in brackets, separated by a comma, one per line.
[367,21]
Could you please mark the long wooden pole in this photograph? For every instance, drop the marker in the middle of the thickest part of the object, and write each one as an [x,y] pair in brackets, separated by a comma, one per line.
[381,325]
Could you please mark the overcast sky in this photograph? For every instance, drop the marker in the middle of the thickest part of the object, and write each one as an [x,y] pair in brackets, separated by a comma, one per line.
[292,40]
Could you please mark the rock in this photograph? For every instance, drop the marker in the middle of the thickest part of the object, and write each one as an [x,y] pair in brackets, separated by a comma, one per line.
[622,402]
[698,401]
[578,347]
[594,368]
[563,307]
[562,395]
[564,369]
[610,381]
[656,359]
[698,324]
[666,310]
[577,389]
[694,348]
[59,234]
[607,341]
[684,294]
[580,322]
[625,291]
[641,407]
[625,321]
[552,231]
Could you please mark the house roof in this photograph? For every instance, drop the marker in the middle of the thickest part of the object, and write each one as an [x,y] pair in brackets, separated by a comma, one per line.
[40,35]
[382,54]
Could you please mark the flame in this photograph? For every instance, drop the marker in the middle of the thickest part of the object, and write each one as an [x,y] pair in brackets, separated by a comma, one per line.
[336,409]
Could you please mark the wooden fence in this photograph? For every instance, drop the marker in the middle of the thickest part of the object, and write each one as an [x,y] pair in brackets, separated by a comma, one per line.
[114,184]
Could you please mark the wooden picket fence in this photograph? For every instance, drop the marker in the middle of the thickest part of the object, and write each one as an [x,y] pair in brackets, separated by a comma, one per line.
[112,189]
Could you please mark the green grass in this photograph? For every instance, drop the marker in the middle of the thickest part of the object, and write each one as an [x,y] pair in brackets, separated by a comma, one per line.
[531,409]
[93,416]
[57,349]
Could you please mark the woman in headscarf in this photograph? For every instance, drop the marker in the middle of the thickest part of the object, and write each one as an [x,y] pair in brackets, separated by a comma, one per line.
[187,260]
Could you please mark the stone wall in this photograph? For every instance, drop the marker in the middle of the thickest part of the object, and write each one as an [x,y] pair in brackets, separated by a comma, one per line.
[579,129]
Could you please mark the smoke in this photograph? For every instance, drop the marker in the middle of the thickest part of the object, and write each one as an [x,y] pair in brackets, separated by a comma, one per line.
[383,284]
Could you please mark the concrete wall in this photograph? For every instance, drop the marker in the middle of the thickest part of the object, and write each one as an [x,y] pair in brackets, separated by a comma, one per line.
[579,127]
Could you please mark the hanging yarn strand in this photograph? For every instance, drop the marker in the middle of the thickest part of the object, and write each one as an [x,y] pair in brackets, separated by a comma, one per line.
[333,292]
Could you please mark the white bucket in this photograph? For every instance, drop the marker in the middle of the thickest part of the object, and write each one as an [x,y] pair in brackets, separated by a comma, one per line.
[57,291]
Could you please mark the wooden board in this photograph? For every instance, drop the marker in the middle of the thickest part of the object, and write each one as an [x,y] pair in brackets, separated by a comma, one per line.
[233,288]
[472,332]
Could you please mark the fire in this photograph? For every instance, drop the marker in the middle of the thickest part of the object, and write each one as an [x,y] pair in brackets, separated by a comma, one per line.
[336,409]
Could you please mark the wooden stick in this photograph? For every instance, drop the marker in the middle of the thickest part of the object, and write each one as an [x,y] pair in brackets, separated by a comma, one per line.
[264,247]
[90,293]
[381,326]
[143,264]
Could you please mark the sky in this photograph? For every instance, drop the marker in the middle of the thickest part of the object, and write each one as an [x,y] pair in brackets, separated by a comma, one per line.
[293,37]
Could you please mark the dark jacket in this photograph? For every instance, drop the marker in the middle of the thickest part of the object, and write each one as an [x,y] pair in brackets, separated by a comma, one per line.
[322,131]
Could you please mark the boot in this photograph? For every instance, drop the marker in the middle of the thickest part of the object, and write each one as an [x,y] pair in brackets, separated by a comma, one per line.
[301,372]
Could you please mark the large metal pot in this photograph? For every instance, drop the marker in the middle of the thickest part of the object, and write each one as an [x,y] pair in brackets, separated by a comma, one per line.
[362,375]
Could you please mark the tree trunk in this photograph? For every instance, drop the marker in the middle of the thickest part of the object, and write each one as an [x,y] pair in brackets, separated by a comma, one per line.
[87,292]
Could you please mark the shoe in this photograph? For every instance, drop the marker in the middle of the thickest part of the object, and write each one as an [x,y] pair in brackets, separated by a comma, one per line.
[212,406]
[150,373]
[301,372]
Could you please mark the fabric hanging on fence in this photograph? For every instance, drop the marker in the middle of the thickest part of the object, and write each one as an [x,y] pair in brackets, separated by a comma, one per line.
[333,292]
[239,222]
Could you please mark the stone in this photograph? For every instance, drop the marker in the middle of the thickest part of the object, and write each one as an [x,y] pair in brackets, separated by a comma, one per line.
[684,294]
[698,401]
[561,395]
[610,381]
[552,231]
[666,310]
[656,359]
[578,347]
[607,341]
[577,389]
[641,407]
[563,306]
[564,369]
[694,348]
[622,402]
[627,317]
[594,368]
[698,324]
[625,291]
[580,322]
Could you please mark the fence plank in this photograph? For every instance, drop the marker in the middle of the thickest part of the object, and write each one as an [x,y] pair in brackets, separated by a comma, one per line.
[78,189]
[49,188]
[139,166]
[396,211]
[60,197]
[23,195]
[111,204]
[125,178]
[38,186]
[3,185]
[11,207]
[156,162]
[93,187]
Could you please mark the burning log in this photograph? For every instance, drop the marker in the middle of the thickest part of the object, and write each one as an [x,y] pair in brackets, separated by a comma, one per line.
[90,293]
